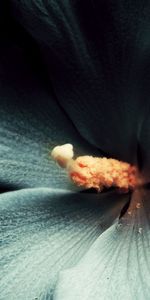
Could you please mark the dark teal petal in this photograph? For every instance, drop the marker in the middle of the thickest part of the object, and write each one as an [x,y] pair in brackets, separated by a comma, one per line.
[31,121]
[97,55]
[144,146]
[117,266]
[44,231]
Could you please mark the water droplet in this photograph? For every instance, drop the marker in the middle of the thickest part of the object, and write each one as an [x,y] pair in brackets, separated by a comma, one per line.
[140,230]
[138,205]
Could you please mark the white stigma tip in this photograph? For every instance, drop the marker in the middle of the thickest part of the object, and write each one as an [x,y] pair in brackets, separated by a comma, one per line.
[62,154]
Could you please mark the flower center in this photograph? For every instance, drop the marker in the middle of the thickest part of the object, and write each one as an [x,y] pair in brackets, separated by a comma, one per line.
[97,172]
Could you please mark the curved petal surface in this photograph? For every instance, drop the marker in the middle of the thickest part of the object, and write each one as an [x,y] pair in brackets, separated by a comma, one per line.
[117,266]
[144,146]
[44,231]
[31,121]
[103,49]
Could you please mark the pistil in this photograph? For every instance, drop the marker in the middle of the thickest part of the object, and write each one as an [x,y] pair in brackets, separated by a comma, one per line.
[97,172]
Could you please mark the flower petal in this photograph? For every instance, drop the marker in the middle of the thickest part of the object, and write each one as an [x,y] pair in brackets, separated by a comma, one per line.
[43,231]
[31,121]
[96,55]
[117,266]
[144,146]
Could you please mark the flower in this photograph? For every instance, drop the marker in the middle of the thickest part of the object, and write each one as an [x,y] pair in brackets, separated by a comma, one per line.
[72,72]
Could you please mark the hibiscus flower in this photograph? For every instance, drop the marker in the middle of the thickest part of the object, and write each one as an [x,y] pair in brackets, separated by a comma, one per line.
[73,72]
